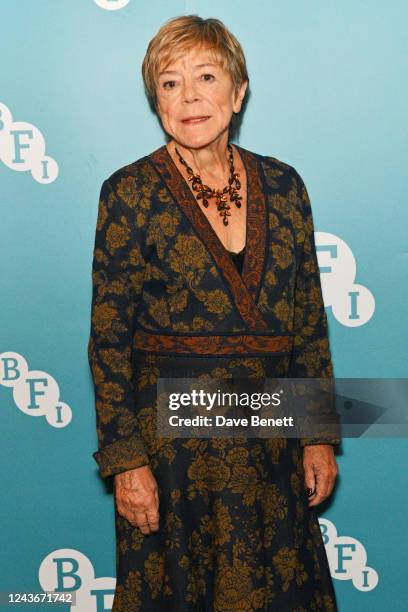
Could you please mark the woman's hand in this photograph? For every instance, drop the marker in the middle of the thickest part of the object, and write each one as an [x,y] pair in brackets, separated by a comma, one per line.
[137,498]
[320,471]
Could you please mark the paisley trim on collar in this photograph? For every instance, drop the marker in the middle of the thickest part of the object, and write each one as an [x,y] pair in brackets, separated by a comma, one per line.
[244,289]
[257,225]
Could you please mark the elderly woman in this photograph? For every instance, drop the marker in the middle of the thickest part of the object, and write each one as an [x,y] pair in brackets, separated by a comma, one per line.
[205,265]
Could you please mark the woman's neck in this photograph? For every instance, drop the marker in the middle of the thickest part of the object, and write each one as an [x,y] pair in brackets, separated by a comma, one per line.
[211,161]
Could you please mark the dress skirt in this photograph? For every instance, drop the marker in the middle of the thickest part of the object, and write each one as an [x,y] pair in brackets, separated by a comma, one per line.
[236,532]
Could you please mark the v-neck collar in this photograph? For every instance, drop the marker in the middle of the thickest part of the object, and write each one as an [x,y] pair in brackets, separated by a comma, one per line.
[244,288]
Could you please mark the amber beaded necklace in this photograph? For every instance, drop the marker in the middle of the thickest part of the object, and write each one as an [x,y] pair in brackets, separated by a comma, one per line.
[205,192]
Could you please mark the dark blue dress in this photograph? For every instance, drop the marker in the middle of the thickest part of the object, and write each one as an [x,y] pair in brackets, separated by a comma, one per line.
[236,533]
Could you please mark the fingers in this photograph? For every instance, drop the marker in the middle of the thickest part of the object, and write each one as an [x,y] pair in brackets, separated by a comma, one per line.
[146,519]
[152,524]
[137,499]
[310,480]
[320,470]
[325,480]
[141,522]
[319,495]
[153,519]
[142,513]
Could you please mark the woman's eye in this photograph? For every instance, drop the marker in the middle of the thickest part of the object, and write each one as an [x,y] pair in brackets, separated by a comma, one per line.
[169,84]
[208,77]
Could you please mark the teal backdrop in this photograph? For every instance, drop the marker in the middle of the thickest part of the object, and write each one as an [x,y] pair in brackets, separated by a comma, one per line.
[328,95]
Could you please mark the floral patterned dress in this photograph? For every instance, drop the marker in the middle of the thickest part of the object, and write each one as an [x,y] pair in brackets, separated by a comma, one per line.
[236,533]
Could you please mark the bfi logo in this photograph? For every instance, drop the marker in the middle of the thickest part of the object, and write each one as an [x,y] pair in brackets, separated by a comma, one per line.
[352,304]
[111,5]
[35,393]
[69,571]
[22,148]
[347,558]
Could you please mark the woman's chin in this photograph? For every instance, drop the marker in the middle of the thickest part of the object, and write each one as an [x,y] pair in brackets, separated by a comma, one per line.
[194,141]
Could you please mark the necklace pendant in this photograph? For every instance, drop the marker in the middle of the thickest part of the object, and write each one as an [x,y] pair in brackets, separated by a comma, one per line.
[223,206]
[205,192]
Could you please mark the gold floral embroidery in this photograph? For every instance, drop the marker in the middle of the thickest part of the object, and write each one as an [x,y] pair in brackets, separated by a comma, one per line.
[215,301]
[207,473]
[117,235]
[127,189]
[289,567]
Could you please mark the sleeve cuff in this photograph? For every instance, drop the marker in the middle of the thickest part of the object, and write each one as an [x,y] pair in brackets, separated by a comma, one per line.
[311,441]
[124,454]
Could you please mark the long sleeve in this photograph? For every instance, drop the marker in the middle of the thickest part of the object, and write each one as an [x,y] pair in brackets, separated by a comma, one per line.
[117,280]
[311,356]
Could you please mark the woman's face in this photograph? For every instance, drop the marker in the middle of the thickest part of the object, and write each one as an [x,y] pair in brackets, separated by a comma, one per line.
[196,99]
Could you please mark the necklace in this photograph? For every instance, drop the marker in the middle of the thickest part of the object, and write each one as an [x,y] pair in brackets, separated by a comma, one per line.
[205,192]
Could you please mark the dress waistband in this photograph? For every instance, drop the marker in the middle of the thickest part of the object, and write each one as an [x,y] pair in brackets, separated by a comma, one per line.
[211,345]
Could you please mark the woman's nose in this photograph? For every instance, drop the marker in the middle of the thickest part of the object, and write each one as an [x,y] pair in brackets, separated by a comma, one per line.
[190,92]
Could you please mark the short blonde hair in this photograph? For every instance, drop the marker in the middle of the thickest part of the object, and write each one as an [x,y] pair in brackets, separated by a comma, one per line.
[182,34]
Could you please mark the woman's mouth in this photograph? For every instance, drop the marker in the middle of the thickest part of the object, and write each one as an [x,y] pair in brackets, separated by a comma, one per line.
[194,120]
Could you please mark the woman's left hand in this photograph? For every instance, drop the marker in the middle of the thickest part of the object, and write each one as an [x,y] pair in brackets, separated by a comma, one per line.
[321,471]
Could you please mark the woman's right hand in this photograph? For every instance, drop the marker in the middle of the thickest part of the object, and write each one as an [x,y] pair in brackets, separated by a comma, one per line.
[137,498]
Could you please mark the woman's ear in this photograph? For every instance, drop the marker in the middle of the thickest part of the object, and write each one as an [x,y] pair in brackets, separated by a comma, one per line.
[239,96]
